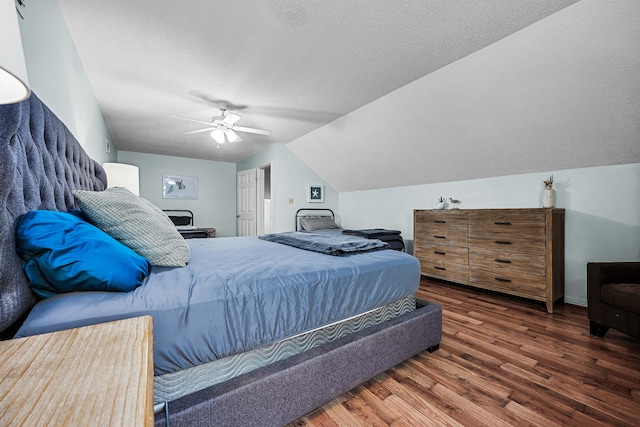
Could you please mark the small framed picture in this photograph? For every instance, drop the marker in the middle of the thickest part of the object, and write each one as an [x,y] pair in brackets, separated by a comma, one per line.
[315,193]
[179,187]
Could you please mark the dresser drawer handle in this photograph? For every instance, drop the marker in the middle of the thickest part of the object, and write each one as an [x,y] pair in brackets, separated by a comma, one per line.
[439,221]
[440,237]
[500,279]
[503,242]
[504,261]
[439,252]
[439,268]
[502,223]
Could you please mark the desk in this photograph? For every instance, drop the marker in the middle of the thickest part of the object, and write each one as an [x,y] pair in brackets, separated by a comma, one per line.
[100,375]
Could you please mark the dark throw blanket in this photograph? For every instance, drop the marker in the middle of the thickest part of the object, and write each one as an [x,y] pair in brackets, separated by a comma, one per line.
[372,233]
[329,244]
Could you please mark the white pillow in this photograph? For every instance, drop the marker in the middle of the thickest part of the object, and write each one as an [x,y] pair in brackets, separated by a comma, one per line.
[136,223]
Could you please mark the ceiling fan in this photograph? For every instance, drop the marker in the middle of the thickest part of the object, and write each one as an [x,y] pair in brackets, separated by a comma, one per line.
[223,128]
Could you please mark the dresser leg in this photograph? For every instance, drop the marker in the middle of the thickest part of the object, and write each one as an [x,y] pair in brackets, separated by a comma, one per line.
[596,329]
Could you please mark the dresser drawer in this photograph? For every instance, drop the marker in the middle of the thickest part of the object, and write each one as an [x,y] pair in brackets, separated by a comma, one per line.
[513,222]
[455,254]
[444,269]
[508,243]
[513,282]
[441,219]
[427,236]
[508,263]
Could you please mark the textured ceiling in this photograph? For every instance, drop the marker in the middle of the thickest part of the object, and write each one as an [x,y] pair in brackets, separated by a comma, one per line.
[293,65]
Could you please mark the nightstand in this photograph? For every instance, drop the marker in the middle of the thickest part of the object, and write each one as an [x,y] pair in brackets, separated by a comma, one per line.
[94,375]
[197,233]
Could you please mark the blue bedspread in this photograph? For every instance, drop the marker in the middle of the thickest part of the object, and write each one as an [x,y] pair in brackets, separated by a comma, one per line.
[236,294]
[326,243]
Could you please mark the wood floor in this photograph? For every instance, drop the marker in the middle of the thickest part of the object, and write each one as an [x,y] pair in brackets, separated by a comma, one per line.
[503,361]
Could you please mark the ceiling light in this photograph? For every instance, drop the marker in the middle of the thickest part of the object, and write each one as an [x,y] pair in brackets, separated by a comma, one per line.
[218,135]
[14,84]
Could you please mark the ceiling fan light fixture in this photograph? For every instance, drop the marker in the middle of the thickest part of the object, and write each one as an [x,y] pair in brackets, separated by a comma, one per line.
[223,129]
[218,136]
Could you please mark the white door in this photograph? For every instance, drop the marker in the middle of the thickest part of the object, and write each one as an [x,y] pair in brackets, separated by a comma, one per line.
[247,201]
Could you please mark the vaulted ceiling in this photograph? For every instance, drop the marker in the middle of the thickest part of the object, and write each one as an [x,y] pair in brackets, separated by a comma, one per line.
[291,67]
[295,65]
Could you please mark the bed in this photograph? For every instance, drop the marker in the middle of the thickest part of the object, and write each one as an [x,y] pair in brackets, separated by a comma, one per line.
[246,332]
[323,219]
[183,220]
[316,218]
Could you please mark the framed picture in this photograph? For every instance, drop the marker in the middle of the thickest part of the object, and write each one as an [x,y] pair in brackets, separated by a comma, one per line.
[315,193]
[179,187]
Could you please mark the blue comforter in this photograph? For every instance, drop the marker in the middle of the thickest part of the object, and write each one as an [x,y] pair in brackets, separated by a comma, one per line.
[237,294]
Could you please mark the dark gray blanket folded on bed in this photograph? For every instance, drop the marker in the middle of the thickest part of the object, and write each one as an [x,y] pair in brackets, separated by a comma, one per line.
[329,244]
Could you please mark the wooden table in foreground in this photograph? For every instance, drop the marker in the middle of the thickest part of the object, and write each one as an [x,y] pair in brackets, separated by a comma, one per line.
[95,375]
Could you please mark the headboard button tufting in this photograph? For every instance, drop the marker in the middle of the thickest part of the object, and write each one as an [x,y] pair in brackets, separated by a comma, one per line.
[41,163]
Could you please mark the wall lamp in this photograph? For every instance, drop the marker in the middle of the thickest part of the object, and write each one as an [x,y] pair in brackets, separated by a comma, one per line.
[14,83]
[123,175]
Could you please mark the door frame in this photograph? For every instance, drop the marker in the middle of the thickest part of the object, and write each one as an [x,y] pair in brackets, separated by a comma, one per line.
[260,183]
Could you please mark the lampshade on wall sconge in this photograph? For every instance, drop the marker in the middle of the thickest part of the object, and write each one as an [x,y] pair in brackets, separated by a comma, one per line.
[14,84]
[123,175]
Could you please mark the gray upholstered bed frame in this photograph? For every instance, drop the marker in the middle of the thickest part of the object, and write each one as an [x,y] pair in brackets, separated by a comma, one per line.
[41,163]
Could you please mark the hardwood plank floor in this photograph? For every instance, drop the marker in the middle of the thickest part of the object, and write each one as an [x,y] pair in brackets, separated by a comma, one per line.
[503,361]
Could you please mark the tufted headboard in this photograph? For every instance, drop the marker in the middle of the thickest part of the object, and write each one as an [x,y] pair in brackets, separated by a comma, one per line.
[41,162]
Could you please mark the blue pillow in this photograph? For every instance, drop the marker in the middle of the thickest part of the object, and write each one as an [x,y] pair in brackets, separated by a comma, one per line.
[61,252]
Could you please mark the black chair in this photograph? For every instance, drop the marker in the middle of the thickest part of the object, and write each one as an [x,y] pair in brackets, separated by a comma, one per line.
[613,296]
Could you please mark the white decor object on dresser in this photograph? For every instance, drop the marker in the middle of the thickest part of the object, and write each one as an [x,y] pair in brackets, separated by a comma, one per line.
[549,197]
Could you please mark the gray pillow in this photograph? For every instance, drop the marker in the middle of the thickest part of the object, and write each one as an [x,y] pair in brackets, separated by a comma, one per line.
[312,223]
[136,223]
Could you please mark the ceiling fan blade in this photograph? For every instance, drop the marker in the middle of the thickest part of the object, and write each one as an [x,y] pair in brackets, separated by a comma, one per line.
[215,100]
[192,120]
[232,136]
[191,132]
[252,130]
[231,118]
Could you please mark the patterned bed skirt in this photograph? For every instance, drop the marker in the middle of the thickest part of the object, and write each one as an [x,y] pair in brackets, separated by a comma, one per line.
[174,385]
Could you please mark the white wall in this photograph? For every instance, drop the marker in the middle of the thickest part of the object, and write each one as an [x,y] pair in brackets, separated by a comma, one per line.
[289,179]
[216,203]
[57,76]
[602,218]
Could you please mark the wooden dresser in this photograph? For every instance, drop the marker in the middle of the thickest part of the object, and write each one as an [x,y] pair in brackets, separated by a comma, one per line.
[514,251]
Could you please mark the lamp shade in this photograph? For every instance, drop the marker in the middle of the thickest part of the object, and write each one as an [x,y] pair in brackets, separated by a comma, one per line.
[123,175]
[14,84]
[218,136]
